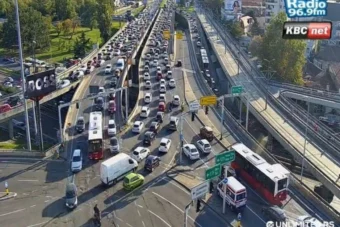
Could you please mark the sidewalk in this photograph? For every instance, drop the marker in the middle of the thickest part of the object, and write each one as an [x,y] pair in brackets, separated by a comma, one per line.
[4,196]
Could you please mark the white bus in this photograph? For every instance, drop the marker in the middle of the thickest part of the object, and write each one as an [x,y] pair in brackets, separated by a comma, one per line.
[95,139]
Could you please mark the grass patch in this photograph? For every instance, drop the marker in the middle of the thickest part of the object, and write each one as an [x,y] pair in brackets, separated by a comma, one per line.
[137,11]
[61,46]
[189,9]
[20,144]
[163,3]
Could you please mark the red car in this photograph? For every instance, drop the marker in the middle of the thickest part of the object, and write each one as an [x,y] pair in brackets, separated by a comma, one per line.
[112,106]
[4,108]
[159,75]
[161,106]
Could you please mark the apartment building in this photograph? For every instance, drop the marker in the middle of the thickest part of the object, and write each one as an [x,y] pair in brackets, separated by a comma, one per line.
[273,7]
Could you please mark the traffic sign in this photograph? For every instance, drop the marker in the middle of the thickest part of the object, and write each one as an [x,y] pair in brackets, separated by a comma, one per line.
[208,100]
[213,172]
[179,35]
[6,184]
[200,190]
[225,157]
[236,89]
[166,34]
[225,181]
[181,137]
[194,106]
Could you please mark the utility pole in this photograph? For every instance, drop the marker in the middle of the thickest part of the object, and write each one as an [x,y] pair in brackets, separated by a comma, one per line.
[23,79]
[269,74]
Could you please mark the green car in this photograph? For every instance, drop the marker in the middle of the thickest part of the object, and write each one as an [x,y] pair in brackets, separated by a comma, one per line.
[132,181]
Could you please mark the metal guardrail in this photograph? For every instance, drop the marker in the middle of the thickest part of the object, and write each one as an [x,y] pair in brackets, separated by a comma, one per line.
[250,70]
[251,142]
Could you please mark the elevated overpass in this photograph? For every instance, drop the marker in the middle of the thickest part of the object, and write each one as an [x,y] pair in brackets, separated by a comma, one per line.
[276,120]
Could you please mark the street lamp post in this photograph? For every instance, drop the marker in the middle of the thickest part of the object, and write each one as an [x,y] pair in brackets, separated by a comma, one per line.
[22,72]
[305,143]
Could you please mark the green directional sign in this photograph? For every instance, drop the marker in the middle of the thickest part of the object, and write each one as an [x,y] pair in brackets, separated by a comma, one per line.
[213,172]
[225,157]
[236,90]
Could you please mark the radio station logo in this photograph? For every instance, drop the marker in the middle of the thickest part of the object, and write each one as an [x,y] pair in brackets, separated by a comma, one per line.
[307,30]
[306,8]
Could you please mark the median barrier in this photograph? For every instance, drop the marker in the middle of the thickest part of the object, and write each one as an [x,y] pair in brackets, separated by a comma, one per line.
[300,186]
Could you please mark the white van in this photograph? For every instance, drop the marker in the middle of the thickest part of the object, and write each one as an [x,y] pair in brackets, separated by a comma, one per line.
[236,194]
[120,64]
[116,168]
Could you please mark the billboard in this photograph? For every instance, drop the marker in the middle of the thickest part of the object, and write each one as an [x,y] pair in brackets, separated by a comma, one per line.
[233,6]
[40,84]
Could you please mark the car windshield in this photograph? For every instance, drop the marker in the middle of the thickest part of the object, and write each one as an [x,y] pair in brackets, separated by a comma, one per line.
[126,180]
[70,194]
[136,153]
[163,144]
[282,184]
[76,159]
[99,101]
[80,122]
[113,142]
[206,145]
[108,67]
[119,64]
[112,125]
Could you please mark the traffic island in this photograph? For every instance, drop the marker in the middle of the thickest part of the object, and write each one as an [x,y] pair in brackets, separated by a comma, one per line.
[5,196]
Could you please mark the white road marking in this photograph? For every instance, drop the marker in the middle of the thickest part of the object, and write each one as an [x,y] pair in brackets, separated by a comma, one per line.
[159,218]
[143,223]
[128,224]
[33,206]
[138,205]
[29,180]
[174,205]
[13,212]
[41,223]
[114,215]
[139,213]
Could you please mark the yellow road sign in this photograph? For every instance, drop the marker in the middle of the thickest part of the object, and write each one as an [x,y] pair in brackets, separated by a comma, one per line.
[179,35]
[166,34]
[208,100]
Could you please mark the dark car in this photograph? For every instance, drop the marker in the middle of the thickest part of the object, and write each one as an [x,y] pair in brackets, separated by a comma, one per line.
[149,137]
[113,82]
[13,101]
[151,162]
[80,125]
[274,213]
[99,103]
[179,63]
[154,126]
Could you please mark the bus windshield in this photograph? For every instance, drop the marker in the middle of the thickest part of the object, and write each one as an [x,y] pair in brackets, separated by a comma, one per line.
[95,146]
[241,196]
[282,184]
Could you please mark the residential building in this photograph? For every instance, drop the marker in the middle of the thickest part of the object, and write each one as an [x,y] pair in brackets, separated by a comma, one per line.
[273,7]
[246,23]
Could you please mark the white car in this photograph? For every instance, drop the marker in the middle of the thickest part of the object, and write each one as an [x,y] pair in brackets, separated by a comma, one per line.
[191,151]
[155,63]
[77,161]
[64,83]
[108,69]
[140,153]
[169,75]
[156,56]
[101,90]
[162,81]
[159,69]
[176,101]
[83,68]
[146,68]
[162,98]
[147,76]
[204,146]
[148,98]
[8,84]
[137,126]
[90,69]
[145,112]
[198,43]
[162,88]
[172,83]
[166,60]
[164,145]
[116,52]
[148,56]
[148,84]
[111,128]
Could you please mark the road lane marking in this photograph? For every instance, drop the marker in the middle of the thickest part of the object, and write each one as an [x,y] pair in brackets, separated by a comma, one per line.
[13,212]
[138,205]
[115,215]
[174,205]
[139,213]
[143,223]
[159,218]
[28,180]
[41,223]
[128,224]
[33,206]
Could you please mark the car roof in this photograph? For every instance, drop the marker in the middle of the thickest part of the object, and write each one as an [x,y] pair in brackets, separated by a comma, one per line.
[151,157]
[111,101]
[131,175]
[172,118]
[145,108]
[81,118]
[148,94]
[164,140]
[176,96]
[204,141]
[190,145]
[148,133]
[154,123]
[139,149]
[137,122]
[277,209]
[112,121]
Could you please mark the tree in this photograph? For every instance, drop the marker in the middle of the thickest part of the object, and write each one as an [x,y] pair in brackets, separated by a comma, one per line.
[236,30]
[65,9]
[45,7]
[88,13]
[75,24]
[285,57]
[67,26]
[81,46]
[255,29]
[104,12]
[93,24]
[59,27]
[255,45]
[9,33]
